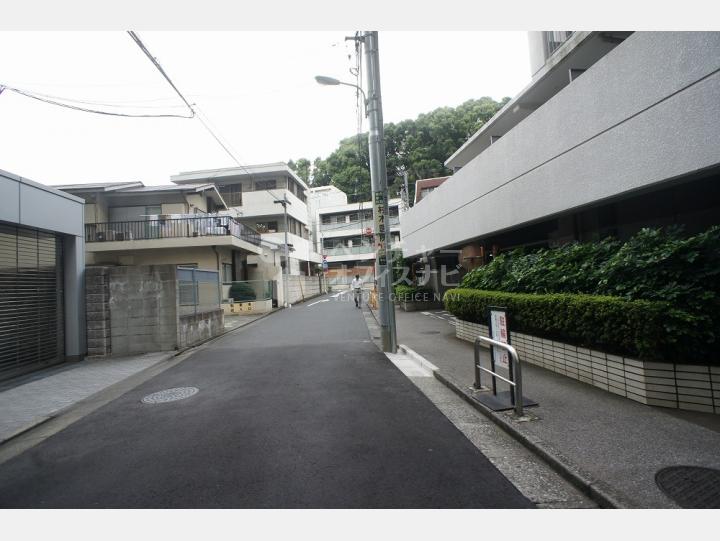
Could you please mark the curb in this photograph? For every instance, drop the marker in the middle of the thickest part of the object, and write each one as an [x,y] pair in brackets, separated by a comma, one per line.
[599,491]
[422,361]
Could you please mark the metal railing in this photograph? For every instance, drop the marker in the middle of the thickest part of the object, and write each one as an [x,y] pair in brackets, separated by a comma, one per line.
[354,224]
[201,226]
[248,290]
[198,290]
[345,250]
[515,371]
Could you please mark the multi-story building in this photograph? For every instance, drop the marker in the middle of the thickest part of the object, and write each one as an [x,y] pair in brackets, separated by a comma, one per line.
[127,223]
[257,196]
[345,236]
[616,131]
[425,186]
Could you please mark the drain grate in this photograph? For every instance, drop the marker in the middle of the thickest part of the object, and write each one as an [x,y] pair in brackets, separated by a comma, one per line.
[429,332]
[691,487]
[170,395]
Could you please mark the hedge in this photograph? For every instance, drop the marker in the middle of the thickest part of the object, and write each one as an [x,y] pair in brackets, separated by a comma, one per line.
[647,330]
[413,293]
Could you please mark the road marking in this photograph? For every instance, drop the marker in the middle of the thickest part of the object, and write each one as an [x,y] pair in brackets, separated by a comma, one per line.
[317,302]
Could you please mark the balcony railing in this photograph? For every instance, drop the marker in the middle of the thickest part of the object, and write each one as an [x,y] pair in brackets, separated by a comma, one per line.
[201,226]
[355,224]
[347,250]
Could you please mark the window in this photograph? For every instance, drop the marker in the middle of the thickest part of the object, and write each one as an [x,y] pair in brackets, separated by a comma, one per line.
[326,219]
[266,227]
[394,211]
[265,184]
[227,276]
[232,194]
[354,217]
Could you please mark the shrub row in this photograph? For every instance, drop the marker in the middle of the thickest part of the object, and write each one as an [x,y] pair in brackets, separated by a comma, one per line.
[413,293]
[647,330]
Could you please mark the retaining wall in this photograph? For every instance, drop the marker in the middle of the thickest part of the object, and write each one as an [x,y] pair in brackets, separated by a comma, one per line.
[301,288]
[671,385]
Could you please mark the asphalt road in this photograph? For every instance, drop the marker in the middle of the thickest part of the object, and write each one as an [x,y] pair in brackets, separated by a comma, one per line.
[299,410]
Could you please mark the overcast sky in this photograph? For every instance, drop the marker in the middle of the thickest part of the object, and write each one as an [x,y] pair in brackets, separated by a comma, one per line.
[257,88]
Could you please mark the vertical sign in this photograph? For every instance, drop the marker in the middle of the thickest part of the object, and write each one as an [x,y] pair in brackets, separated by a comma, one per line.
[379,204]
[499,332]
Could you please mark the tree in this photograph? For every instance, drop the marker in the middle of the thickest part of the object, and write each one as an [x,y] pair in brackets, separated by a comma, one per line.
[302,168]
[418,146]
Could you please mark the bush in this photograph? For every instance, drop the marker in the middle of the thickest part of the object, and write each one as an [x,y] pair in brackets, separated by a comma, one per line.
[405,293]
[241,292]
[654,265]
[648,330]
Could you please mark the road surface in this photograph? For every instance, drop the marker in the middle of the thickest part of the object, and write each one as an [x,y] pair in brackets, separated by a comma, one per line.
[298,410]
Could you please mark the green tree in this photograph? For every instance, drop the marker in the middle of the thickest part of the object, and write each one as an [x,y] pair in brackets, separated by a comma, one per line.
[302,168]
[418,146]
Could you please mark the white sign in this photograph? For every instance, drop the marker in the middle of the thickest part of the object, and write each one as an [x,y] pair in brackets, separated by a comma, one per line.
[499,332]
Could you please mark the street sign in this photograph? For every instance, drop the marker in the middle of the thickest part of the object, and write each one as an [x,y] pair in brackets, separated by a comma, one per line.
[499,332]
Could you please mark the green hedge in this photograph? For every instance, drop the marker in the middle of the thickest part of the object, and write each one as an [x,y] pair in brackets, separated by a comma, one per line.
[636,328]
[413,293]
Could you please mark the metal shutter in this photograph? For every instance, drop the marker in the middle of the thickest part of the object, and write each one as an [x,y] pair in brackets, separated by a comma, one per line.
[31,300]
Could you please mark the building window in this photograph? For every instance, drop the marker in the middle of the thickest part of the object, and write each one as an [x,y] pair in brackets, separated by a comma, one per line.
[326,220]
[553,40]
[265,184]
[227,276]
[232,194]
[266,227]
[394,212]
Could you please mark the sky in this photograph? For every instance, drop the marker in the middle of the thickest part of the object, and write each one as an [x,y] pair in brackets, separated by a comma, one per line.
[256,90]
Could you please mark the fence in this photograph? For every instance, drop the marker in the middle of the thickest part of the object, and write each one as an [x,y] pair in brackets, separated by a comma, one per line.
[198,291]
[201,226]
[248,290]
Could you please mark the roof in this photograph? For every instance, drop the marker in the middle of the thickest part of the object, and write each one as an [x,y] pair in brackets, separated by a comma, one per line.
[97,186]
[262,170]
[423,183]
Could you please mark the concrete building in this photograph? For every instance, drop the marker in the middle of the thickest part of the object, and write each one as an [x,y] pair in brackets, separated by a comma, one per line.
[424,186]
[42,315]
[616,131]
[132,224]
[252,194]
[345,237]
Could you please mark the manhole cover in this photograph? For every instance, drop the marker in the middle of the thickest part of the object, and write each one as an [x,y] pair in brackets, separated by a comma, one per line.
[691,487]
[429,332]
[170,395]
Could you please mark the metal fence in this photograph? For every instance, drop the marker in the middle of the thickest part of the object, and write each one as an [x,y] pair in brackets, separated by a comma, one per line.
[248,290]
[200,226]
[198,290]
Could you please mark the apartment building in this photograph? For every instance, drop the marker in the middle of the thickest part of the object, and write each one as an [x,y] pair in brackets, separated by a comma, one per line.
[615,131]
[42,315]
[256,196]
[345,235]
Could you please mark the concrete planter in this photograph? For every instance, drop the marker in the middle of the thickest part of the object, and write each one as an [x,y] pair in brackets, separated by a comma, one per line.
[670,385]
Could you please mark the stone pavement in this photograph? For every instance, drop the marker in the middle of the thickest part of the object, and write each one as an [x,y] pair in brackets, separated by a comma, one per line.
[31,400]
[619,443]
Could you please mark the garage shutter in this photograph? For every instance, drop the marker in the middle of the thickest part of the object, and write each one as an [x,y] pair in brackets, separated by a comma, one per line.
[31,300]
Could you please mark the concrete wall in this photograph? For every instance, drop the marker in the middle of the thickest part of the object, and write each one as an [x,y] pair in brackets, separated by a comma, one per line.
[301,288]
[134,309]
[643,114]
[195,328]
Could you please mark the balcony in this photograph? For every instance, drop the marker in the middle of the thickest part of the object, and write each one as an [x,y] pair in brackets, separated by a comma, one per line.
[345,250]
[355,224]
[171,228]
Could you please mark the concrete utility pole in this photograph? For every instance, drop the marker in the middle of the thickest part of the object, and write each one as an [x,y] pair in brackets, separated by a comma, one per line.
[285,203]
[378,179]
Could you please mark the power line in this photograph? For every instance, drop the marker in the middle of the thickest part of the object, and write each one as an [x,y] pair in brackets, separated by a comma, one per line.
[37,97]
[144,49]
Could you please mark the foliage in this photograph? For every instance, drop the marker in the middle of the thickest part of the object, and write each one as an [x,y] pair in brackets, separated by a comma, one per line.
[654,265]
[241,292]
[643,329]
[418,146]
[413,293]
[301,168]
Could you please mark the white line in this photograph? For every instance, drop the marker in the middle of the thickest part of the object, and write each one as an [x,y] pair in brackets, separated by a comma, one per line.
[317,302]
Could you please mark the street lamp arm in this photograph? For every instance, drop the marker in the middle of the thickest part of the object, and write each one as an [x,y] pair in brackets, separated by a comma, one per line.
[331,81]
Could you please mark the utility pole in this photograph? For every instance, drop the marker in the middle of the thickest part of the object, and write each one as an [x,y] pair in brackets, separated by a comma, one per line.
[378,179]
[284,202]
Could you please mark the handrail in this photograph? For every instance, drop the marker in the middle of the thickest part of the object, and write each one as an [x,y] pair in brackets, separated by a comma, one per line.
[205,225]
[517,384]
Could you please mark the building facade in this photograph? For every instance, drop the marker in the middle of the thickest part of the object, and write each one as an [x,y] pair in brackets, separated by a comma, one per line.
[256,196]
[42,315]
[345,234]
[615,132]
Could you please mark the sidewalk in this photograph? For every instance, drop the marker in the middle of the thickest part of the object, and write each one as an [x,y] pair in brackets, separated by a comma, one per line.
[616,443]
[29,401]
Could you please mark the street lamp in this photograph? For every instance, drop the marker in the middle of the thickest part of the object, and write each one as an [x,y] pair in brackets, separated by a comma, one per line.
[331,81]
[378,181]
